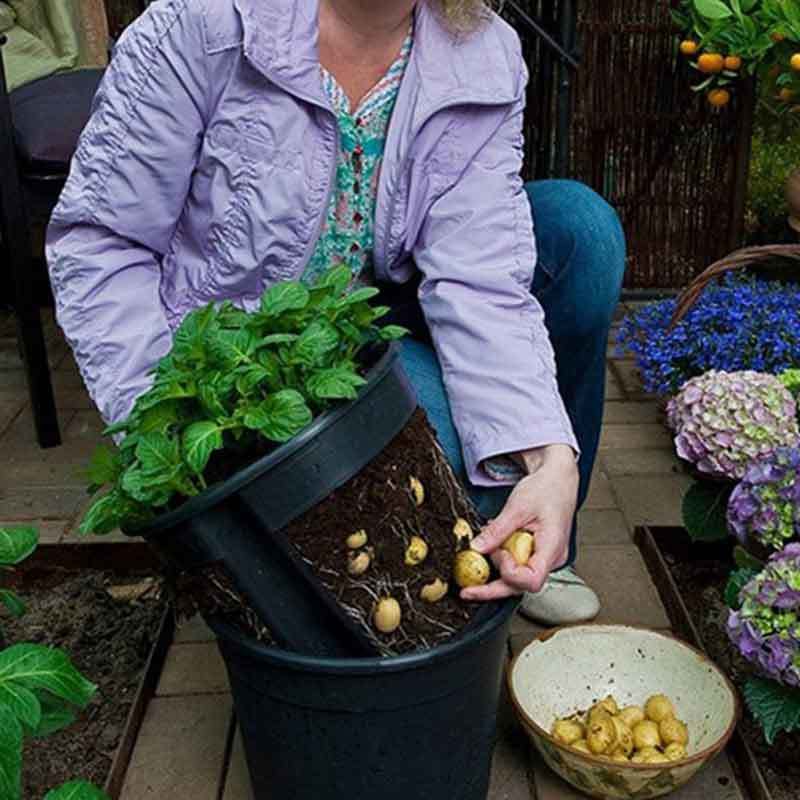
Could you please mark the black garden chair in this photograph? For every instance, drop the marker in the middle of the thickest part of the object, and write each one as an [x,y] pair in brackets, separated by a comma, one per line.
[39,128]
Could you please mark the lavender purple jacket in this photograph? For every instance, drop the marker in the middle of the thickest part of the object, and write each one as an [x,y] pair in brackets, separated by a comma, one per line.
[204,175]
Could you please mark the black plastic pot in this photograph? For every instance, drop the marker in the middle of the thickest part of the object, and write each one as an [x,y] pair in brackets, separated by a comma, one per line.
[414,727]
[237,523]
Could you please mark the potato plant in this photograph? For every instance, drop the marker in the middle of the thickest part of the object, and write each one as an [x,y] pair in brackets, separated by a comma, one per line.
[234,380]
[40,689]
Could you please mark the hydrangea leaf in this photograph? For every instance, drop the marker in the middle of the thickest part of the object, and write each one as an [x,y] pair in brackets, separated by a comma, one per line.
[10,755]
[17,543]
[12,603]
[776,708]
[736,582]
[76,790]
[704,507]
[746,560]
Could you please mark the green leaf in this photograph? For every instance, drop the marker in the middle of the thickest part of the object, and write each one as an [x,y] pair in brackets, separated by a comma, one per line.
[104,467]
[76,790]
[746,560]
[10,755]
[336,383]
[776,708]
[105,514]
[390,333]
[736,582]
[287,296]
[55,716]
[209,395]
[713,9]
[200,440]
[22,703]
[16,544]
[147,488]
[316,341]
[705,506]
[336,279]
[48,669]
[280,417]
[13,604]
[253,377]
[159,454]
[277,338]
[361,295]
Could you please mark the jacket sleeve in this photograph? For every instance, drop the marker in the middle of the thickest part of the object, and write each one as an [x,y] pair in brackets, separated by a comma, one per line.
[116,216]
[477,256]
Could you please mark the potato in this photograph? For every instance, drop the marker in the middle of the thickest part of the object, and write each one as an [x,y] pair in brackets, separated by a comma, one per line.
[471,569]
[568,731]
[646,734]
[433,592]
[675,752]
[632,716]
[673,731]
[416,552]
[417,490]
[355,541]
[581,746]
[656,758]
[619,755]
[607,704]
[624,736]
[521,546]
[387,615]
[358,563]
[462,530]
[641,756]
[658,707]
[602,735]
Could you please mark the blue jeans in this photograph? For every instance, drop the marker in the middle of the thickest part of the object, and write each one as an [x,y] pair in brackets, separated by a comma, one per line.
[577,280]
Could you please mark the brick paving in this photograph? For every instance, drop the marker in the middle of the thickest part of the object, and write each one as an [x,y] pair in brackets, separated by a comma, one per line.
[189,748]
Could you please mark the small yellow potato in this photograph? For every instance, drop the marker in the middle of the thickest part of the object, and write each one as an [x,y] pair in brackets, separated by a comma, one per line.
[608,704]
[646,734]
[642,756]
[355,541]
[416,552]
[568,731]
[619,755]
[521,546]
[582,746]
[387,615]
[433,592]
[471,569]
[624,736]
[358,563]
[417,490]
[601,735]
[658,707]
[673,731]
[656,758]
[632,716]
[675,752]
[462,530]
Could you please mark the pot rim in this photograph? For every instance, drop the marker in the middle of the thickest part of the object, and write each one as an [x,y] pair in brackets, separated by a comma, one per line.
[363,666]
[219,492]
[698,758]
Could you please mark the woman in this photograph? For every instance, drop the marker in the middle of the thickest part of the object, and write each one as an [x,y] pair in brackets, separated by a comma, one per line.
[236,143]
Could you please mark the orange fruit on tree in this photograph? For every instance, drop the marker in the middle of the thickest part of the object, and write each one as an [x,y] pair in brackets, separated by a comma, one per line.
[719,98]
[689,47]
[777,37]
[795,62]
[711,63]
[786,94]
[733,63]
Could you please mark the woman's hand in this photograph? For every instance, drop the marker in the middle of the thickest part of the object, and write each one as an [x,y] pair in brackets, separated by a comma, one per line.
[544,503]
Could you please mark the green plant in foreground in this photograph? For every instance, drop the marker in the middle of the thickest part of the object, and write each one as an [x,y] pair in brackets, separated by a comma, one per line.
[39,687]
[232,380]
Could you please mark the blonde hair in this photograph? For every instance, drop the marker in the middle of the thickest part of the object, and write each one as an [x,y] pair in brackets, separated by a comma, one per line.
[463,16]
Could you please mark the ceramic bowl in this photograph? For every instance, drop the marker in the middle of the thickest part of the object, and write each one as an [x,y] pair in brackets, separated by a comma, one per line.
[569,669]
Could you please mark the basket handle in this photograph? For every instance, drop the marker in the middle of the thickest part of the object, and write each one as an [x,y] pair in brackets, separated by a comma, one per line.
[747,257]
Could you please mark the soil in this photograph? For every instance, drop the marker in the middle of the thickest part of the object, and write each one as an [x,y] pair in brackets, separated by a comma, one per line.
[380,502]
[109,641]
[701,574]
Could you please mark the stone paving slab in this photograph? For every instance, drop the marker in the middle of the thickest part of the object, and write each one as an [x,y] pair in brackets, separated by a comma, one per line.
[637,436]
[40,503]
[601,493]
[631,462]
[652,500]
[613,387]
[181,748]
[603,526]
[621,412]
[194,630]
[193,668]
[237,781]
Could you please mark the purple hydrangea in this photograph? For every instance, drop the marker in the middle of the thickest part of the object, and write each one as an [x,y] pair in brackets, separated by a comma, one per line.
[766,629]
[765,506]
[724,422]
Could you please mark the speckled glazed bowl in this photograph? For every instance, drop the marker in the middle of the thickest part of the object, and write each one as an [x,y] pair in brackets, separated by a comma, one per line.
[569,669]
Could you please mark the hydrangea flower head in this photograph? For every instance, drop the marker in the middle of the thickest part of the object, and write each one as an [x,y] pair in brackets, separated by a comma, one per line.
[724,422]
[765,505]
[766,629]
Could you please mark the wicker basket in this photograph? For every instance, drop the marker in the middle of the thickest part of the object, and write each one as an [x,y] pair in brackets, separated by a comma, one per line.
[776,260]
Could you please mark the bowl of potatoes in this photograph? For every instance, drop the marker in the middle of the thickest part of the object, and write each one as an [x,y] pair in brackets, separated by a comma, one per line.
[622,712]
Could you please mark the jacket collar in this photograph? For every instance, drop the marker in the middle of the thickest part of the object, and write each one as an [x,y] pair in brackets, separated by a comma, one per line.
[281,40]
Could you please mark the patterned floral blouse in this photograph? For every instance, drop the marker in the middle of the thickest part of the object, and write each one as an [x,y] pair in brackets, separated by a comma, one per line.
[348,231]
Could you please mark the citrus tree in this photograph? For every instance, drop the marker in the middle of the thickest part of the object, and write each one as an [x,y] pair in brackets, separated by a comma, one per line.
[727,40]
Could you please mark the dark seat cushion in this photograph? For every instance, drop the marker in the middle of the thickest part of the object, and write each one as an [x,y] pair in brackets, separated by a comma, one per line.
[49,115]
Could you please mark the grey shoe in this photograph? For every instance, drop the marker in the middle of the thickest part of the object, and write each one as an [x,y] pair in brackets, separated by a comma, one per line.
[565,599]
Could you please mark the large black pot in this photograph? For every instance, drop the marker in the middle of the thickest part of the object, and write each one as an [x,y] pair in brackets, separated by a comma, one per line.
[237,523]
[414,727]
